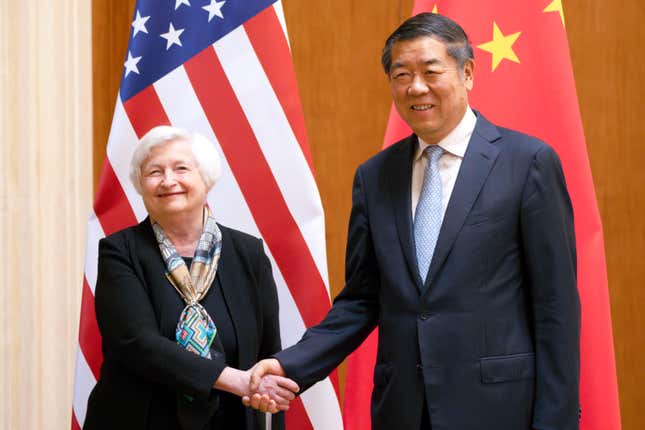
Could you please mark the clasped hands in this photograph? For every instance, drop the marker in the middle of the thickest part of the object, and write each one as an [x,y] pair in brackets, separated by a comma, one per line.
[269,389]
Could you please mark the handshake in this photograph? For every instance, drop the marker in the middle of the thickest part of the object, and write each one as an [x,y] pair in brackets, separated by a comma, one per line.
[264,387]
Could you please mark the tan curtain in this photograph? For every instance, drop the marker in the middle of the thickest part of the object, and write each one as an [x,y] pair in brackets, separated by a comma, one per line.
[45,197]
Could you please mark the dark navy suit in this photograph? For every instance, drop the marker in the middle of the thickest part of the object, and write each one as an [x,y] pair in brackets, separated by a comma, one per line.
[491,341]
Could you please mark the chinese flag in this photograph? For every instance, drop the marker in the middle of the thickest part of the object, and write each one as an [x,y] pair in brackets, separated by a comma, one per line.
[524,81]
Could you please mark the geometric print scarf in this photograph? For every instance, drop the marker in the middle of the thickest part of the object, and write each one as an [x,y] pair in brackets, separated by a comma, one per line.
[195,328]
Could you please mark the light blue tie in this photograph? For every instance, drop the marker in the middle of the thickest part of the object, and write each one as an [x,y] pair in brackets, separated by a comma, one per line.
[429,215]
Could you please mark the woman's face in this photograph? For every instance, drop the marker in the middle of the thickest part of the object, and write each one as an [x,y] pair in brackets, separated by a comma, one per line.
[171,182]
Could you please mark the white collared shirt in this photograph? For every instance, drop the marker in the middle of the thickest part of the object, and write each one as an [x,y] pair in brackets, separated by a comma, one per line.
[454,146]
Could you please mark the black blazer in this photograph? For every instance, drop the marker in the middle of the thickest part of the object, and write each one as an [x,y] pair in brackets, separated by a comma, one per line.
[137,311]
[491,341]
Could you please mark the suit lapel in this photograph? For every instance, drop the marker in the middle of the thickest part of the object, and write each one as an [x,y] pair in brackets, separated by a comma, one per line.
[400,172]
[475,167]
[231,278]
[148,252]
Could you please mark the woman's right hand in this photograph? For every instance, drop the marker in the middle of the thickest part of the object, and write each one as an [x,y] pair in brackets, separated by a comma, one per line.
[237,382]
[268,384]
[278,389]
[272,394]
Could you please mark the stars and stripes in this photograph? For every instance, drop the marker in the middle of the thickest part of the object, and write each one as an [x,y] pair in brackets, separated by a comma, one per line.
[223,69]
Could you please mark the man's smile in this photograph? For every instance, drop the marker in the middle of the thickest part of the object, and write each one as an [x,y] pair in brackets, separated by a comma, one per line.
[421,107]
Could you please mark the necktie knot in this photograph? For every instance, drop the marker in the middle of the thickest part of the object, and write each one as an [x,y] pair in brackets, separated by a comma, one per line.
[433,152]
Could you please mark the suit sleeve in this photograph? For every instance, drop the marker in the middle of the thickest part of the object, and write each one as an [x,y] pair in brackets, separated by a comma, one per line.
[130,330]
[355,310]
[550,253]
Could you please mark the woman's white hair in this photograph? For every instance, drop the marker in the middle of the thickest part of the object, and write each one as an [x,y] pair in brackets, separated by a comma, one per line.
[206,157]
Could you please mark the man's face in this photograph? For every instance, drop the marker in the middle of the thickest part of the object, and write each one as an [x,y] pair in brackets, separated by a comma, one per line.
[428,91]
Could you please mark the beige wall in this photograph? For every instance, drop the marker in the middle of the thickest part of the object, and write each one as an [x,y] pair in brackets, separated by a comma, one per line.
[45,197]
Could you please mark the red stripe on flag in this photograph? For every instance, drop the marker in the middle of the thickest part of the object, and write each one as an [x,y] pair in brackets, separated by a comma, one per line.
[145,111]
[75,425]
[256,181]
[111,206]
[89,337]
[296,417]
[271,47]
[359,384]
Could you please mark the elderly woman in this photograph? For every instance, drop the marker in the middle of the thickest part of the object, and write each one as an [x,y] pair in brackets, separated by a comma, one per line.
[181,303]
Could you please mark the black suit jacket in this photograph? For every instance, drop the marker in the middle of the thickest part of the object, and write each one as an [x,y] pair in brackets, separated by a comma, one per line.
[137,310]
[491,341]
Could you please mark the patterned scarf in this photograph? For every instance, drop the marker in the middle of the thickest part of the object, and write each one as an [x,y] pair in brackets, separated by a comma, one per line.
[195,328]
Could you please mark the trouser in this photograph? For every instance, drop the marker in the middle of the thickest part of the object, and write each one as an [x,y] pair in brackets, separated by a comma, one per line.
[425,418]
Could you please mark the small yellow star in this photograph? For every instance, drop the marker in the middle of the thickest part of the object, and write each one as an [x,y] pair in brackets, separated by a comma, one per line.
[556,6]
[501,46]
[434,9]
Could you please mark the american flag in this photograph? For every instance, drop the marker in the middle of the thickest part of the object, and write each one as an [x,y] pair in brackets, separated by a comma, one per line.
[223,69]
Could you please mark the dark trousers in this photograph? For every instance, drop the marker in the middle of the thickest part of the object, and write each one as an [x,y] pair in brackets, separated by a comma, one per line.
[425,418]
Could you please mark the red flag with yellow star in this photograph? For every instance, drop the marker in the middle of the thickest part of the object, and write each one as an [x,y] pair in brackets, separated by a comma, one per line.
[524,81]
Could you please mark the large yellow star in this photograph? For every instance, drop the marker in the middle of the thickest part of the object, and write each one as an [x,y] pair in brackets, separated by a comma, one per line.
[501,46]
[556,6]
[434,9]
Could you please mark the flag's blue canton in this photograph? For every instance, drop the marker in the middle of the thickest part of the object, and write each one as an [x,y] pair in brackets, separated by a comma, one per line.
[156,60]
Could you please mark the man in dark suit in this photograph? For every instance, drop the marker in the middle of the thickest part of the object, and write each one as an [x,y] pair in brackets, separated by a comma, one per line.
[461,250]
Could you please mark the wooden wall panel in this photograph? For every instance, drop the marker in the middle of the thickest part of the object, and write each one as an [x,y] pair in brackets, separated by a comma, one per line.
[336,47]
[606,41]
[110,32]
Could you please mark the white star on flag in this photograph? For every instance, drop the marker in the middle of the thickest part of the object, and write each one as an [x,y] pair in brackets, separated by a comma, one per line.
[131,64]
[215,8]
[172,36]
[180,2]
[139,24]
